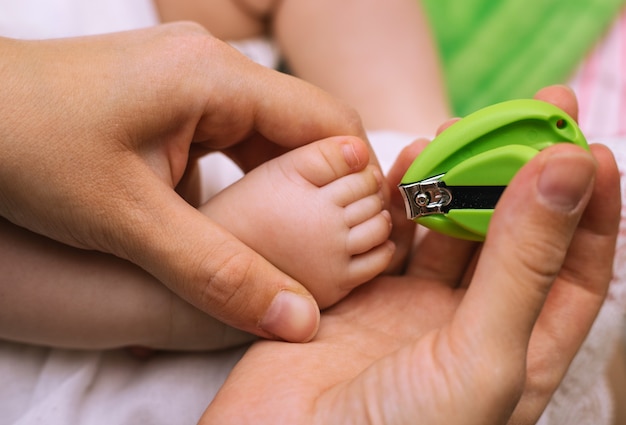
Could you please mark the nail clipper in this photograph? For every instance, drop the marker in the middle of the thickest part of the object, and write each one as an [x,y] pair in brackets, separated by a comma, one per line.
[454,185]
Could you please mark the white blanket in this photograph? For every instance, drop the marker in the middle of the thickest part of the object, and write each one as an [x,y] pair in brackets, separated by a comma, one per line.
[36,19]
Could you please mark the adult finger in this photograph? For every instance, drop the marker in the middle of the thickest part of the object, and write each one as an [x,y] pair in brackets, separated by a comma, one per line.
[543,222]
[560,96]
[207,266]
[579,291]
[526,246]
[255,113]
[443,259]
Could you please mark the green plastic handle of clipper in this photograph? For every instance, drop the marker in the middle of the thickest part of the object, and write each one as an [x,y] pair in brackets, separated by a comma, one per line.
[487,148]
[527,122]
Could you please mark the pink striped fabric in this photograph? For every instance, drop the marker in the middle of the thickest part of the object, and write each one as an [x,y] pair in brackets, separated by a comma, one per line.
[600,84]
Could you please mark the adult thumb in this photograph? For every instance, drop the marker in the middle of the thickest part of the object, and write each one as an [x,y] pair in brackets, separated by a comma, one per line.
[527,243]
[210,268]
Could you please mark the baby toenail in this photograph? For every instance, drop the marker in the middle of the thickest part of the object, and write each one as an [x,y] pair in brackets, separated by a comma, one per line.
[350,155]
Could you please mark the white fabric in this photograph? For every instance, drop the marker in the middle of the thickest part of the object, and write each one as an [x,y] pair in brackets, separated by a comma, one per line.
[35,19]
[261,50]
[65,387]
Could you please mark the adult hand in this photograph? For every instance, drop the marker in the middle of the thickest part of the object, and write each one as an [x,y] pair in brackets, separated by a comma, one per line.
[465,336]
[440,346]
[95,133]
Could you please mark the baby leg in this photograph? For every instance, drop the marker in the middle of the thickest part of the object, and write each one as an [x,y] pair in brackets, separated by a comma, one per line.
[316,213]
[378,56]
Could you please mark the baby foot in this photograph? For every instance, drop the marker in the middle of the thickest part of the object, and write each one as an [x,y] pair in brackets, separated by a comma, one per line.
[316,213]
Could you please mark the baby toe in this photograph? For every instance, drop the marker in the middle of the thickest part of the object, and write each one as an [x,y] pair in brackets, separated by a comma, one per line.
[363,209]
[354,187]
[327,160]
[369,234]
[364,267]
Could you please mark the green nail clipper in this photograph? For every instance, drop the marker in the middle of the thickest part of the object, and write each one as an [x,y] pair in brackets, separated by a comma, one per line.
[453,186]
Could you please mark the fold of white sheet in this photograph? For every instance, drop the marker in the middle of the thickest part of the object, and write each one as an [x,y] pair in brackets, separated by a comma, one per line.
[36,19]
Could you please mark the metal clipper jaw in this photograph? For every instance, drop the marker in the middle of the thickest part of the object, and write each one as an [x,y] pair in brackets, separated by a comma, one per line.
[425,197]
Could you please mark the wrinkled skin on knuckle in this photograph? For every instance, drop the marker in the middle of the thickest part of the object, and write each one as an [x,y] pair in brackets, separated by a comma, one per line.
[552,251]
[223,289]
[536,258]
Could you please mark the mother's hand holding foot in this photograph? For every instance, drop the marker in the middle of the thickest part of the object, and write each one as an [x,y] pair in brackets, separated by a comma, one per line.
[95,133]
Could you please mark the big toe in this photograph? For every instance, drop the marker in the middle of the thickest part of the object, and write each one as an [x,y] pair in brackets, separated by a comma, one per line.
[327,160]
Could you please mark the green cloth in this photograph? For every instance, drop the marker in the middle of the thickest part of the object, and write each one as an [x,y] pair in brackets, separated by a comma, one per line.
[495,50]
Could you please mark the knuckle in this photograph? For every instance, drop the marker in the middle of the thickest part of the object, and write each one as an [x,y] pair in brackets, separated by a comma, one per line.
[187,43]
[223,290]
[541,258]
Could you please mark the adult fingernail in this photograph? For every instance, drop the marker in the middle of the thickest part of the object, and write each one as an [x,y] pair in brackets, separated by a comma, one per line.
[291,317]
[565,180]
